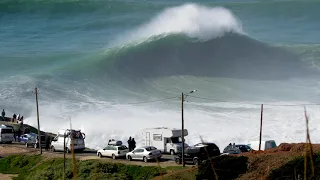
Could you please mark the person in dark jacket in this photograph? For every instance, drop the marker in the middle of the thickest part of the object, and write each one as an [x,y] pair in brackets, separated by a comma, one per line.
[19,134]
[47,142]
[14,117]
[133,144]
[129,144]
[3,114]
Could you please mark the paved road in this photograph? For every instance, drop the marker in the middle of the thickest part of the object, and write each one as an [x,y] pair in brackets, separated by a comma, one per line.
[86,154]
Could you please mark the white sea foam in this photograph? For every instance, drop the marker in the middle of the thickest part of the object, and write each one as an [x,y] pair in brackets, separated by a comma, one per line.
[190,19]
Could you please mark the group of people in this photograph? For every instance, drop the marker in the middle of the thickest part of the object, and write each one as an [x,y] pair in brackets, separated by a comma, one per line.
[18,118]
[15,118]
[131,144]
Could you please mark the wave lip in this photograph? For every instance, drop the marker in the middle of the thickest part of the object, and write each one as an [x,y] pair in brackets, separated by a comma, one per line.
[192,20]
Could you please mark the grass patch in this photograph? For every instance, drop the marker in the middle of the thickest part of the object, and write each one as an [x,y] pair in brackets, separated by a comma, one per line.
[189,174]
[35,168]
[18,164]
[225,167]
[175,168]
[295,168]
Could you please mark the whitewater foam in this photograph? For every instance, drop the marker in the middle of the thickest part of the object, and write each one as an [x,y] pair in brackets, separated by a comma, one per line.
[192,20]
[221,123]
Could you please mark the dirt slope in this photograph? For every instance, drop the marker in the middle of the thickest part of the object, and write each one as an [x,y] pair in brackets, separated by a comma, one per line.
[260,163]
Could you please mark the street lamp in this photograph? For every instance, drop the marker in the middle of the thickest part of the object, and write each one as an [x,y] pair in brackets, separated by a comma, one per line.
[183,97]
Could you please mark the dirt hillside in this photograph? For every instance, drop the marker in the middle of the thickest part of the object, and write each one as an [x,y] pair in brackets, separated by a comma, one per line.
[261,162]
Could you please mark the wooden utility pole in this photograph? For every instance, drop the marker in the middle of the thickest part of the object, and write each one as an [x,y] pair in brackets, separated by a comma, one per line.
[261,127]
[64,155]
[39,135]
[182,129]
[74,164]
[309,149]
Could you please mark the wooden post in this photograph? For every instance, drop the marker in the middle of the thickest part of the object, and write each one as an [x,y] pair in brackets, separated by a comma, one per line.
[64,155]
[74,164]
[39,135]
[182,129]
[309,149]
[261,127]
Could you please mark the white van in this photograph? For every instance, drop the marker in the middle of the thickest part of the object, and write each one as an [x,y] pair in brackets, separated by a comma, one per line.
[265,145]
[78,140]
[167,140]
[6,134]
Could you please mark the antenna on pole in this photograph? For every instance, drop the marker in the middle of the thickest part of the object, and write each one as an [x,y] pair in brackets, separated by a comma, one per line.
[183,99]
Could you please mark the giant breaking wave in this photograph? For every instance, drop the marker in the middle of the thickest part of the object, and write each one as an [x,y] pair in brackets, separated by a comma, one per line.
[184,40]
[198,41]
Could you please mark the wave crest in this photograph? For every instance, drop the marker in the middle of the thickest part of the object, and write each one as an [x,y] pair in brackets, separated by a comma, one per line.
[192,20]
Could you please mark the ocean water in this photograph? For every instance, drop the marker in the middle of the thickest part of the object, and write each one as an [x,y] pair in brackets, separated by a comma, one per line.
[113,68]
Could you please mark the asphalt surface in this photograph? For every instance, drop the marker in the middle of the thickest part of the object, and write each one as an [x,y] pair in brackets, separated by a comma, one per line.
[85,153]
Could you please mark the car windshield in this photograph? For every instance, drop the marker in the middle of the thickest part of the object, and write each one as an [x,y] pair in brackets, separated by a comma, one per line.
[243,148]
[122,147]
[6,131]
[150,148]
[76,134]
[176,140]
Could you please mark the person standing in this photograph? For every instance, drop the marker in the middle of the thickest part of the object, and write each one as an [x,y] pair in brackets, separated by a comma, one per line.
[133,145]
[129,144]
[3,114]
[47,142]
[14,117]
[21,120]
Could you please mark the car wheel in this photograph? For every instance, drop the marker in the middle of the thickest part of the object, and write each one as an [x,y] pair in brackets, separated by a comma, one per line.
[145,159]
[196,161]
[53,149]
[178,160]
[172,152]
[129,158]
[99,155]
[113,156]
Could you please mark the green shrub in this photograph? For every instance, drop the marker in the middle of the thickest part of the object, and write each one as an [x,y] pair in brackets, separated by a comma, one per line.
[141,172]
[295,168]
[18,163]
[30,168]
[226,167]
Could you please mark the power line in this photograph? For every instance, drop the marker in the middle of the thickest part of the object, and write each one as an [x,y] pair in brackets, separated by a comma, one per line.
[157,100]
[267,104]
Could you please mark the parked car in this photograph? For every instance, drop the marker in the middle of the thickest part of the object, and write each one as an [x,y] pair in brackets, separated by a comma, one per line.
[144,153]
[65,137]
[199,152]
[114,151]
[237,149]
[25,137]
[32,141]
[265,145]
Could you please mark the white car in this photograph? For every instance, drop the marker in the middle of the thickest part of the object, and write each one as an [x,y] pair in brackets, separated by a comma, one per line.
[66,136]
[114,151]
[144,153]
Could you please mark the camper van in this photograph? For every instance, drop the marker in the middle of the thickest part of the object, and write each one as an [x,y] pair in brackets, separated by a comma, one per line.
[265,145]
[78,140]
[167,140]
[6,134]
